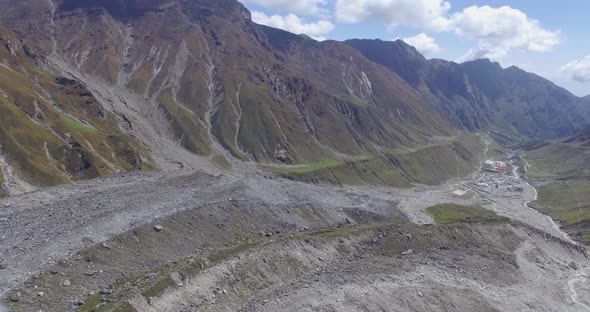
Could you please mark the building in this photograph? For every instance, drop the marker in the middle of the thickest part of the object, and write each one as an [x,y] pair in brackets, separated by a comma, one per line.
[494,166]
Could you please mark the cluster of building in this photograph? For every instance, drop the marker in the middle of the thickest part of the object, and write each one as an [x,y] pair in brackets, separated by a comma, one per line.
[500,182]
[494,166]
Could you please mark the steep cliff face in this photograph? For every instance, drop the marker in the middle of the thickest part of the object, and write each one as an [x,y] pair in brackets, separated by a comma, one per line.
[481,95]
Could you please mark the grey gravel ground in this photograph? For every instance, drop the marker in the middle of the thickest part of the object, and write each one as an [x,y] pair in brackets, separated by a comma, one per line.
[42,229]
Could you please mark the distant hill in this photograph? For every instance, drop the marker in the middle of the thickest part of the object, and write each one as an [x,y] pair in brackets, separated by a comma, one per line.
[581,137]
[481,95]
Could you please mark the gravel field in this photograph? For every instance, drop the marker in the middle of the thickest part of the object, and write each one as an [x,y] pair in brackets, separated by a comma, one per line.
[293,247]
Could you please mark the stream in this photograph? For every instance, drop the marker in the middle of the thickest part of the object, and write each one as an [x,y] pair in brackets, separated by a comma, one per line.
[583,274]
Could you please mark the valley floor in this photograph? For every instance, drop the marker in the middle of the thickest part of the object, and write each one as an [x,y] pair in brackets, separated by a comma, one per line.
[201,242]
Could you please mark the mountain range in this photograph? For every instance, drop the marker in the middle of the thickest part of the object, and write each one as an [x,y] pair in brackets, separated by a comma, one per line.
[97,87]
[481,95]
[190,130]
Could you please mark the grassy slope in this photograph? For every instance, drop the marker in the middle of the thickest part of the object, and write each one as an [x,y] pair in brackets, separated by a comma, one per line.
[191,133]
[23,142]
[452,213]
[432,164]
[62,137]
[568,203]
[559,161]
[567,197]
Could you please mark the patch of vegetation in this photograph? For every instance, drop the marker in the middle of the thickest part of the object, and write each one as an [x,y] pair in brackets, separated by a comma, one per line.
[559,161]
[224,126]
[431,164]
[161,280]
[3,190]
[23,142]
[190,132]
[159,288]
[74,124]
[495,151]
[453,213]
[222,162]
[566,165]
[309,167]
[568,203]
[364,170]
[91,303]
[33,128]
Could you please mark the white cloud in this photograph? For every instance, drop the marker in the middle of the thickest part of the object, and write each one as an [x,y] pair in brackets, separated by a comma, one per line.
[497,30]
[294,24]
[423,43]
[500,30]
[579,70]
[420,13]
[306,7]
[472,55]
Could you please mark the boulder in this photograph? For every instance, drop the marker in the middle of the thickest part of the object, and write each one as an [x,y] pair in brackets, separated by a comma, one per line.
[15,296]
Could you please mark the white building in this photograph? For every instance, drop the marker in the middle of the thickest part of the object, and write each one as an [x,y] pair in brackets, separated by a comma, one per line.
[494,166]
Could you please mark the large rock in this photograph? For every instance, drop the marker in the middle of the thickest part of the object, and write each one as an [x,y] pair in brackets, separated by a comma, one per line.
[15,296]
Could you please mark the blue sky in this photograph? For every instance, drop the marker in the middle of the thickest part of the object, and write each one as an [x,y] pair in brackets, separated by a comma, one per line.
[547,37]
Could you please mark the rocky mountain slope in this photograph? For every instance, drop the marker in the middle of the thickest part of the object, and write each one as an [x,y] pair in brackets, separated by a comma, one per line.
[52,129]
[481,95]
[188,84]
[96,87]
[201,76]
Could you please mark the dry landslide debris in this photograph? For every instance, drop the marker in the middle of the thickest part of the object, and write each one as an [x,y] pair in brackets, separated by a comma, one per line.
[202,242]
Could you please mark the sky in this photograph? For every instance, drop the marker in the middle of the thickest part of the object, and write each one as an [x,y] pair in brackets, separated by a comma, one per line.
[545,37]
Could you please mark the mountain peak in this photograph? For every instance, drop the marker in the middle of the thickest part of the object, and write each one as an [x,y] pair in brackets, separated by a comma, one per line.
[398,47]
[133,8]
[485,62]
[119,8]
[397,55]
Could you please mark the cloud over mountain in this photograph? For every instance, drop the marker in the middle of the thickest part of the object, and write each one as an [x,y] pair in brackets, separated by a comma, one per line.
[423,43]
[578,70]
[294,24]
[500,30]
[306,7]
[497,30]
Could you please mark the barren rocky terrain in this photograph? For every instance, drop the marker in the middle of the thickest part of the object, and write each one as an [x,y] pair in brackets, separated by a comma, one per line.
[230,242]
